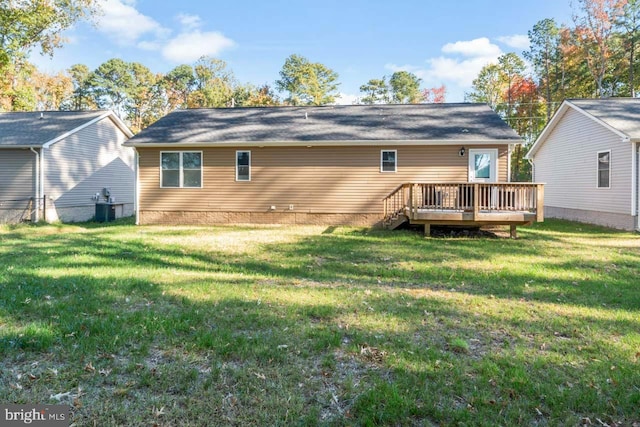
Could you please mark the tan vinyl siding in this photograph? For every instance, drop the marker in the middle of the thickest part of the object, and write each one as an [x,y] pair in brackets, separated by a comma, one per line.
[17,178]
[339,180]
[567,164]
[87,161]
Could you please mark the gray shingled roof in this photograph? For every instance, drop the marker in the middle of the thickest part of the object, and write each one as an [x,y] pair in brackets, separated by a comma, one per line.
[422,122]
[30,130]
[622,114]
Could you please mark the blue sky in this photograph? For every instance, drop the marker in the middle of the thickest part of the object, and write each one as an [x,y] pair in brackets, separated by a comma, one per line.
[443,42]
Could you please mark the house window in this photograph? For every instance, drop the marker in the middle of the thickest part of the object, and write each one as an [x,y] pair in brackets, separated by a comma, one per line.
[243,165]
[388,160]
[604,169]
[181,169]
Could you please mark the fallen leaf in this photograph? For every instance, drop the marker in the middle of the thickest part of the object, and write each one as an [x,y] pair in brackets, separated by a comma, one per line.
[259,375]
[89,367]
[60,396]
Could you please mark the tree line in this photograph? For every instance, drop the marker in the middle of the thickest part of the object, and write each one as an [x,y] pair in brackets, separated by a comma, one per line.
[593,57]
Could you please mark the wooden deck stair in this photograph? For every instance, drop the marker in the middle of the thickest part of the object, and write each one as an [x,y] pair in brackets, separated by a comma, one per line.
[395,221]
[464,203]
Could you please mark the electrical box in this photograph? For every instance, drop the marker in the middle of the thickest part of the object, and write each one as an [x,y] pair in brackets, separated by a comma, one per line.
[105,212]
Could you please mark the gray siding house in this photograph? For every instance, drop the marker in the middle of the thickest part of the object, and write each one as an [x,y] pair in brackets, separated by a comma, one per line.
[52,164]
[587,156]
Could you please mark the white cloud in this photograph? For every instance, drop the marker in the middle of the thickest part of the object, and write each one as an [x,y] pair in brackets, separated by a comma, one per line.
[189,22]
[456,68]
[127,26]
[481,47]
[516,41]
[149,45]
[346,99]
[122,22]
[188,47]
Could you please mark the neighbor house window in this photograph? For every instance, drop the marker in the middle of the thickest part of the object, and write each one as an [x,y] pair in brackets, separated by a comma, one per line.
[243,165]
[181,169]
[388,161]
[604,169]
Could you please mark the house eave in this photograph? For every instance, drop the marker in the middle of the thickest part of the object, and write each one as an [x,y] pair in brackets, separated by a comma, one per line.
[320,143]
[20,147]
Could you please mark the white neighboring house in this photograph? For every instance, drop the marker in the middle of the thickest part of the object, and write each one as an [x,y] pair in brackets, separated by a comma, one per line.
[587,156]
[52,164]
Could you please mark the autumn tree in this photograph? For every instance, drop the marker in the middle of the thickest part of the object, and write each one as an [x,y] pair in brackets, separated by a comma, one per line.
[435,95]
[17,92]
[264,96]
[51,90]
[308,83]
[488,87]
[144,104]
[629,22]
[544,56]
[214,84]
[28,23]
[178,84]
[511,67]
[248,95]
[594,24]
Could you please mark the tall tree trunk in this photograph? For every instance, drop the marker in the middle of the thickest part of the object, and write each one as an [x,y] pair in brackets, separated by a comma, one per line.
[516,167]
[632,88]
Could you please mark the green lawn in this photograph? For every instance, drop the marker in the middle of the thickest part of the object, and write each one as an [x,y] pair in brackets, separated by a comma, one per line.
[321,326]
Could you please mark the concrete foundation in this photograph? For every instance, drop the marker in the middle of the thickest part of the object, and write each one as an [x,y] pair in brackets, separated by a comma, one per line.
[299,218]
[606,219]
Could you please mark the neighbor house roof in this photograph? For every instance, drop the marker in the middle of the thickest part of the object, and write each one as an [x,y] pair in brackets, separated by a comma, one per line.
[37,129]
[620,115]
[329,125]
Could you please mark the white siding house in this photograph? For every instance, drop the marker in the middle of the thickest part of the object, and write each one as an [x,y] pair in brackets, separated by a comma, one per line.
[52,164]
[587,158]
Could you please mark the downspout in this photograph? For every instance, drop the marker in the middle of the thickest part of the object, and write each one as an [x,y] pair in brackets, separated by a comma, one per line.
[44,196]
[509,153]
[136,200]
[533,170]
[637,184]
[37,195]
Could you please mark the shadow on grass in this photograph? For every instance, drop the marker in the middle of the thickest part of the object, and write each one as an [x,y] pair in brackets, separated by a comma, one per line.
[186,327]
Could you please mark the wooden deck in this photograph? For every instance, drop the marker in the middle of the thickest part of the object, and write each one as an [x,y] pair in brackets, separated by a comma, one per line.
[465,204]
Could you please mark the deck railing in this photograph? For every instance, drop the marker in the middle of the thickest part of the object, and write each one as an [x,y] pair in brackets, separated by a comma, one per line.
[409,199]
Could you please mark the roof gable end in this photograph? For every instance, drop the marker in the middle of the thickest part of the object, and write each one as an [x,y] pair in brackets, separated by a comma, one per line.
[557,117]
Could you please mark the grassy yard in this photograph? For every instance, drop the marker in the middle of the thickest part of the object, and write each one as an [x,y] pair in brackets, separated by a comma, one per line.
[321,326]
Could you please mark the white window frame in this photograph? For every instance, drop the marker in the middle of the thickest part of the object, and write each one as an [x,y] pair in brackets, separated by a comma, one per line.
[395,166]
[598,170]
[181,169]
[237,177]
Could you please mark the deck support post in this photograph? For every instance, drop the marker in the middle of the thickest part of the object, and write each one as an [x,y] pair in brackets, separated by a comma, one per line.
[427,230]
[512,231]
[476,201]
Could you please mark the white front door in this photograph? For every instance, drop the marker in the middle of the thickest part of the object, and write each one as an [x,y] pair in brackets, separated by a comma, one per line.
[483,165]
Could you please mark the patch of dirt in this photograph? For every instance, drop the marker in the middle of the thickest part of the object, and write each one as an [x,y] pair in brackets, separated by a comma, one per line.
[472,232]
